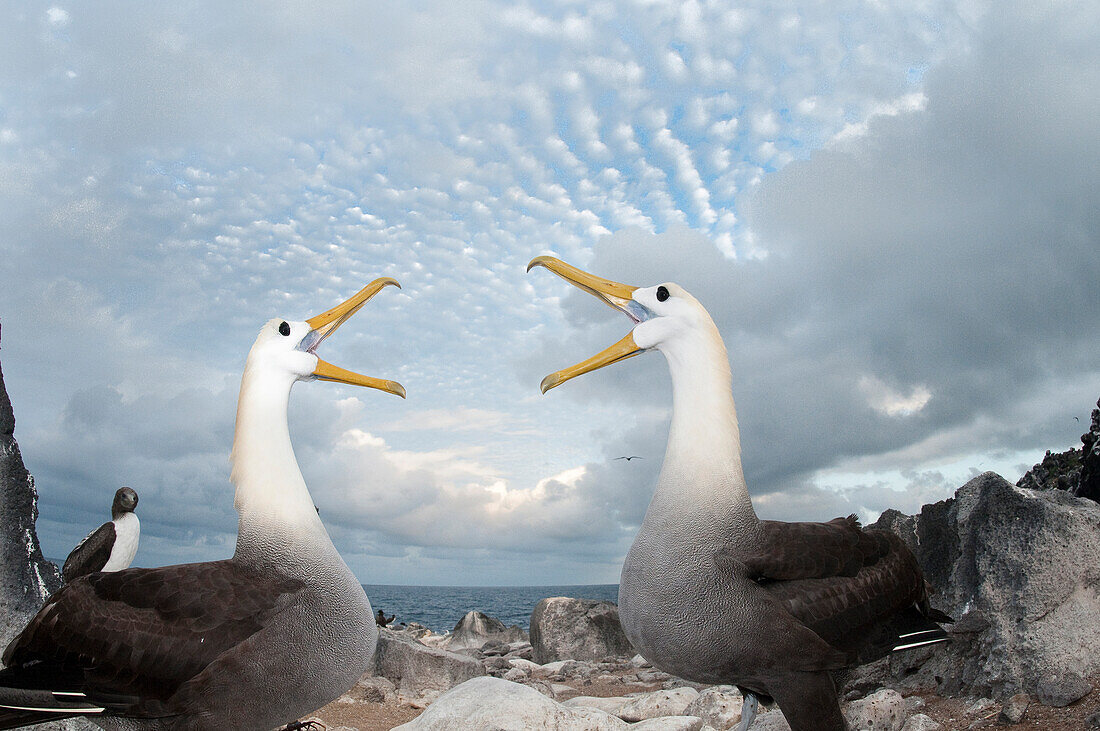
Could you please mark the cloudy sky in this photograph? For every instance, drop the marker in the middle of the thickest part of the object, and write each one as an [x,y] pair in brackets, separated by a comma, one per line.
[891,209]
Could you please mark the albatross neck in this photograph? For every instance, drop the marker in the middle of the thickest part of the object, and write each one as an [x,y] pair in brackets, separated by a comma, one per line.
[272,500]
[702,478]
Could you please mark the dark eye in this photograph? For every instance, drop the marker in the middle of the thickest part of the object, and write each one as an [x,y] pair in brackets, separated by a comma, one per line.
[284,328]
[662,293]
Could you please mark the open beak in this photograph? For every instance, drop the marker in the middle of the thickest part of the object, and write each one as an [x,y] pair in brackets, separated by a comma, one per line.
[619,296]
[327,322]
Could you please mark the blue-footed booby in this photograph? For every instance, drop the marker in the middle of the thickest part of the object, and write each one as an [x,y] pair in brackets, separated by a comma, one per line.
[710,592]
[111,546]
[252,642]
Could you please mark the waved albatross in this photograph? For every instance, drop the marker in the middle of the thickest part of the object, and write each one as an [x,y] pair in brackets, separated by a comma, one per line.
[710,592]
[111,546]
[252,642]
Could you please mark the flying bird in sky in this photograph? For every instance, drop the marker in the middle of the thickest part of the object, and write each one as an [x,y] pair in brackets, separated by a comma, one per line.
[710,592]
[252,642]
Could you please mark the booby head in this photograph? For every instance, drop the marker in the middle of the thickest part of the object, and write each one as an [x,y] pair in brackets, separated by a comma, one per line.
[663,315]
[125,501]
[287,347]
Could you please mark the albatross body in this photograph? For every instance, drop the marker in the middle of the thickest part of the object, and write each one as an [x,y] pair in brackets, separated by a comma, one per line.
[252,642]
[111,546]
[710,592]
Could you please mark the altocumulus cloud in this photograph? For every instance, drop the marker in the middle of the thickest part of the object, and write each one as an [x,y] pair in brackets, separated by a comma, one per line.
[890,211]
[927,291]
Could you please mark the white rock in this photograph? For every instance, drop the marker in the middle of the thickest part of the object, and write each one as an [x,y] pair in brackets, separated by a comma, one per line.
[560,688]
[669,723]
[370,689]
[883,710]
[658,703]
[979,706]
[515,675]
[607,705]
[718,706]
[771,721]
[553,667]
[493,704]
[526,665]
[639,662]
[921,722]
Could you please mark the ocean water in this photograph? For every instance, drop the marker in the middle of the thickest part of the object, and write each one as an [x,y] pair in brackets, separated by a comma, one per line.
[440,607]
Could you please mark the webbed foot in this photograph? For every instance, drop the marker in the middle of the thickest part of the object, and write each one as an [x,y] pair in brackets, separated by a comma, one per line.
[309,725]
[748,711]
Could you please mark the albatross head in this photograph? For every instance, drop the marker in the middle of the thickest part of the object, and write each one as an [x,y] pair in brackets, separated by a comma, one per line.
[287,350]
[665,316]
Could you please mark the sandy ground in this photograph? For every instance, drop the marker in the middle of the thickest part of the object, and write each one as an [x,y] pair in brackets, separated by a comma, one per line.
[949,712]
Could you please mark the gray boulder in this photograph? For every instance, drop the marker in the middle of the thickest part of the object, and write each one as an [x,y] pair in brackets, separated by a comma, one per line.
[1014,709]
[492,704]
[26,577]
[921,722]
[577,629]
[475,629]
[607,705]
[1088,484]
[1020,572]
[669,723]
[658,703]
[719,706]
[418,670]
[881,711]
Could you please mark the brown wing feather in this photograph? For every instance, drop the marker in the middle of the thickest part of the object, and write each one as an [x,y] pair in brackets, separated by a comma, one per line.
[91,554]
[845,610]
[790,551]
[139,634]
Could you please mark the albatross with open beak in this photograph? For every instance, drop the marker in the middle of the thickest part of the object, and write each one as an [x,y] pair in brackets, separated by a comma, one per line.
[713,594]
[252,642]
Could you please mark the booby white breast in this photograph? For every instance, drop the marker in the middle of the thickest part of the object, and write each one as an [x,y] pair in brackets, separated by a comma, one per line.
[252,642]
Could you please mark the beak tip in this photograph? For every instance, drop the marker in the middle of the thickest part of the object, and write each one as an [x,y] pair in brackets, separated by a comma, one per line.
[398,389]
[538,261]
[549,382]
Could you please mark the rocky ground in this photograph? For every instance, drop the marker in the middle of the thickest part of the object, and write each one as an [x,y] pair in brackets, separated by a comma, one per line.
[1018,569]
[633,690]
[472,678]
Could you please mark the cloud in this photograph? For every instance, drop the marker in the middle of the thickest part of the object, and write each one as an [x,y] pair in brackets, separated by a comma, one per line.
[921,283]
[168,183]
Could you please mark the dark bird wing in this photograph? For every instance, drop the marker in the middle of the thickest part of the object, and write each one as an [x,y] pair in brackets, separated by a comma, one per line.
[788,551]
[130,640]
[861,591]
[866,615]
[91,554]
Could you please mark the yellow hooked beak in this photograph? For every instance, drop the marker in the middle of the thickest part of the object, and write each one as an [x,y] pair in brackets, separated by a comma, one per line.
[619,296]
[327,322]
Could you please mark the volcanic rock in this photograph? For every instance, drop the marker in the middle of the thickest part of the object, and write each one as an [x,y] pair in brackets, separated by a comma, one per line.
[577,629]
[1020,571]
[418,670]
[476,629]
[26,577]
